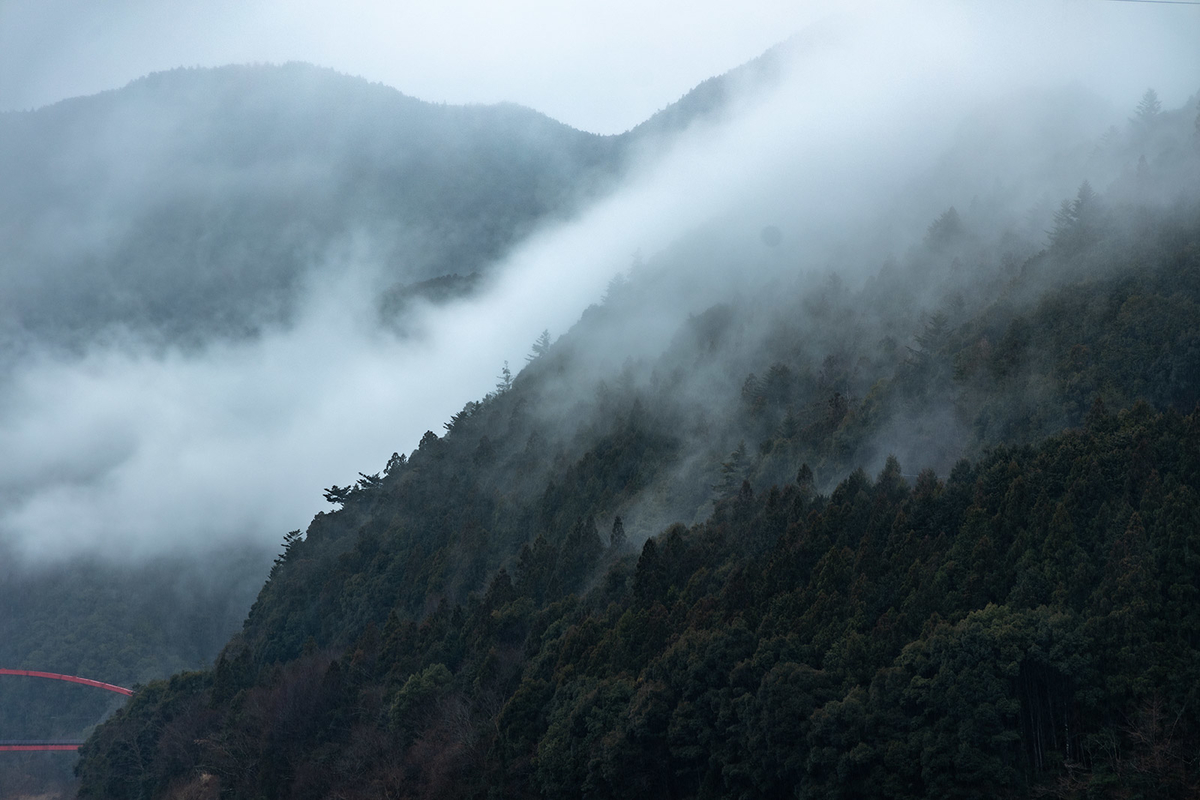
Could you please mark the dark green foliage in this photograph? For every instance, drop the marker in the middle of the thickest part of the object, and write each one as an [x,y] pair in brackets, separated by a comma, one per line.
[158,736]
[617,539]
[874,647]
[1025,625]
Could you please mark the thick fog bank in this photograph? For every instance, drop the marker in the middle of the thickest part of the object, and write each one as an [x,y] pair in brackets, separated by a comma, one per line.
[881,122]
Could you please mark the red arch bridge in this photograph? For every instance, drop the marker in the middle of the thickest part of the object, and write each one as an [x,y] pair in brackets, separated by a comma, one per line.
[27,745]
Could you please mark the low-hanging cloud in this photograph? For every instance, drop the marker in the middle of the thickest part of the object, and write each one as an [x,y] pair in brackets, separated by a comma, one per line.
[131,450]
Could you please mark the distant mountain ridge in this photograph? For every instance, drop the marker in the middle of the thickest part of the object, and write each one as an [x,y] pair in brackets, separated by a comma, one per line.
[710,99]
[193,203]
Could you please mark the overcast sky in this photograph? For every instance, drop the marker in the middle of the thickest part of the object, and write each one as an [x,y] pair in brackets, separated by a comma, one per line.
[600,65]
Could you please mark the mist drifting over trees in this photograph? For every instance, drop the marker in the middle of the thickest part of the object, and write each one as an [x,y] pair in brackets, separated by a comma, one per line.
[829,432]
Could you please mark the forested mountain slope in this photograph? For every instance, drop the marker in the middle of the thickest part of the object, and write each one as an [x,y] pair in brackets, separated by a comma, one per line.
[674,575]
[198,206]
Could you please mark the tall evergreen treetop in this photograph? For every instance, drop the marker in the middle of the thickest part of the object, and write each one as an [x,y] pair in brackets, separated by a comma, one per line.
[539,348]
[1149,107]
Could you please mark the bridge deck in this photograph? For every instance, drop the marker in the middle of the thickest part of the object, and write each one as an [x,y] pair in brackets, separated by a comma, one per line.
[30,745]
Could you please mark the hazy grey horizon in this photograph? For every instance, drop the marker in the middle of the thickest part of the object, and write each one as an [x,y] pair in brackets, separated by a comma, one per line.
[602,67]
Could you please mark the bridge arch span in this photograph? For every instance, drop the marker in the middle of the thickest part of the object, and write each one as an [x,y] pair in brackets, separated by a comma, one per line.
[32,745]
[29,673]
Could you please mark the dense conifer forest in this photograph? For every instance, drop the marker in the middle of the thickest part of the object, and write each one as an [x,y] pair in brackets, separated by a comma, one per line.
[930,533]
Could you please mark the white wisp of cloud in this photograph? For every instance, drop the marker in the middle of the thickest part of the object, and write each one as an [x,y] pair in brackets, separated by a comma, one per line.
[129,452]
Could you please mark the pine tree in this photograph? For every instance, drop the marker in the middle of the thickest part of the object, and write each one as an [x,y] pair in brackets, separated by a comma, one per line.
[777,387]
[804,478]
[933,337]
[580,552]
[753,397]
[539,347]
[485,453]
[457,419]
[616,539]
[615,287]
[1085,200]
[752,389]
[1149,107]
[945,230]
[733,472]
[650,576]
[504,379]
[790,427]
[1064,224]
[1076,221]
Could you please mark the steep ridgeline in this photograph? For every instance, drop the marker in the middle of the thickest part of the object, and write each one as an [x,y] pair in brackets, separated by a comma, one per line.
[508,610]
[196,203]
[193,202]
